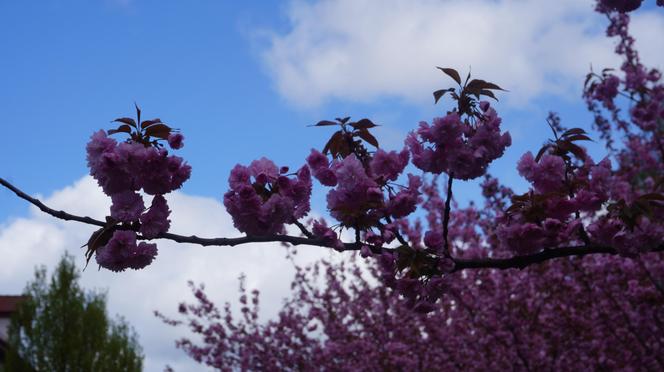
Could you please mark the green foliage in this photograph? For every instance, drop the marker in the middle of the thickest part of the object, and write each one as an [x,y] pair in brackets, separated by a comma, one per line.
[61,328]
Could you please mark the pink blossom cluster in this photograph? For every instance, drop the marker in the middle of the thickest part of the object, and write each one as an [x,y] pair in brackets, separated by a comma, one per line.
[550,217]
[606,91]
[121,252]
[122,170]
[327,235]
[262,198]
[359,199]
[456,147]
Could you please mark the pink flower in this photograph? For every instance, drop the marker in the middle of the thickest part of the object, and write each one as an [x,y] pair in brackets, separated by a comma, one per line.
[547,175]
[127,206]
[121,252]
[261,200]
[388,165]
[175,140]
[456,148]
[155,221]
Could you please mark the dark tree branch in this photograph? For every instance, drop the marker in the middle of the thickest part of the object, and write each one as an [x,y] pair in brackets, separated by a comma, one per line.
[303,229]
[517,262]
[520,262]
[446,215]
[57,214]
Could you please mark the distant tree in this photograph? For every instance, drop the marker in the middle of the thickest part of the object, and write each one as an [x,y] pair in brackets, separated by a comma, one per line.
[61,327]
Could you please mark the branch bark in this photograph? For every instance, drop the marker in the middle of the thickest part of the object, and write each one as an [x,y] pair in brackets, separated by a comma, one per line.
[516,262]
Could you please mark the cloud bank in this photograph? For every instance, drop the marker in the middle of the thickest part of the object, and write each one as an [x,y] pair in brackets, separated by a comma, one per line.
[41,240]
[363,50]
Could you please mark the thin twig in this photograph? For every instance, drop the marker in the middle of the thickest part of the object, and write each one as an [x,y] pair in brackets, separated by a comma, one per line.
[303,229]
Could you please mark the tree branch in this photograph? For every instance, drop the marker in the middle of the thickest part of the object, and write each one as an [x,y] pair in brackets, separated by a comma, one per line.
[446,216]
[520,262]
[516,262]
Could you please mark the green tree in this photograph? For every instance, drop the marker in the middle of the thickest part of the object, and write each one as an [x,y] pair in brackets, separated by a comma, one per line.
[62,328]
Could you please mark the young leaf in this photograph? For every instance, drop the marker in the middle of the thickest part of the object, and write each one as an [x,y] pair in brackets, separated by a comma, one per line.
[488,93]
[578,137]
[363,124]
[365,135]
[158,130]
[128,121]
[138,113]
[451,73]
[338,135]
[99,239]
[122,128]
[488,85]
[323,123]
[576,150]
[147,123]
[541,152]
[573,131]
[437,95]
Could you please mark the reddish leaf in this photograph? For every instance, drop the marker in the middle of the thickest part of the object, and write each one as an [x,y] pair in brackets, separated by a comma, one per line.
[147,123]
[363,124]
[573,131]
[343,120]
[138,113]
[479,84]
[541,152]
[99,239]
[365,135]
[451,73]
[128,121]
[488,85]
[337,136]
[475,84]
[323,123]
[158,130]
[122,128]
[437,95]
[488,93]
[578,137]
[576,150]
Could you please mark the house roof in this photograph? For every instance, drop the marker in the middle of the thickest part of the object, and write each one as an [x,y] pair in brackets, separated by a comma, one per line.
[8,304]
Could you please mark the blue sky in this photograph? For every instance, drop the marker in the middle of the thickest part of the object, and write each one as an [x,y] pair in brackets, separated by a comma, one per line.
[242,80]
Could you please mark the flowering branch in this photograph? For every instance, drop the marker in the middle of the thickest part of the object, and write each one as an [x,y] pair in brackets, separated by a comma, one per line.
[516,262]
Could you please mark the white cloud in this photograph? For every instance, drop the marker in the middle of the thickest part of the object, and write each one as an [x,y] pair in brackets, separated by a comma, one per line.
[362,50]
[41,239]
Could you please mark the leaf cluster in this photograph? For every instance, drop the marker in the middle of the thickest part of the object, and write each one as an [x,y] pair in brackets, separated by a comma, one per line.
[147,132]
[468,94]
[564,145]
[644,206]
[349,138]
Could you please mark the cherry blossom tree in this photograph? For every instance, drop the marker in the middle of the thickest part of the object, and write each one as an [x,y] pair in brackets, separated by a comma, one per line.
[583,221]
[600,304]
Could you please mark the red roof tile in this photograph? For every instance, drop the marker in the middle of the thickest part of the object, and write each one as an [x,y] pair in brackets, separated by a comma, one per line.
[8,304]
